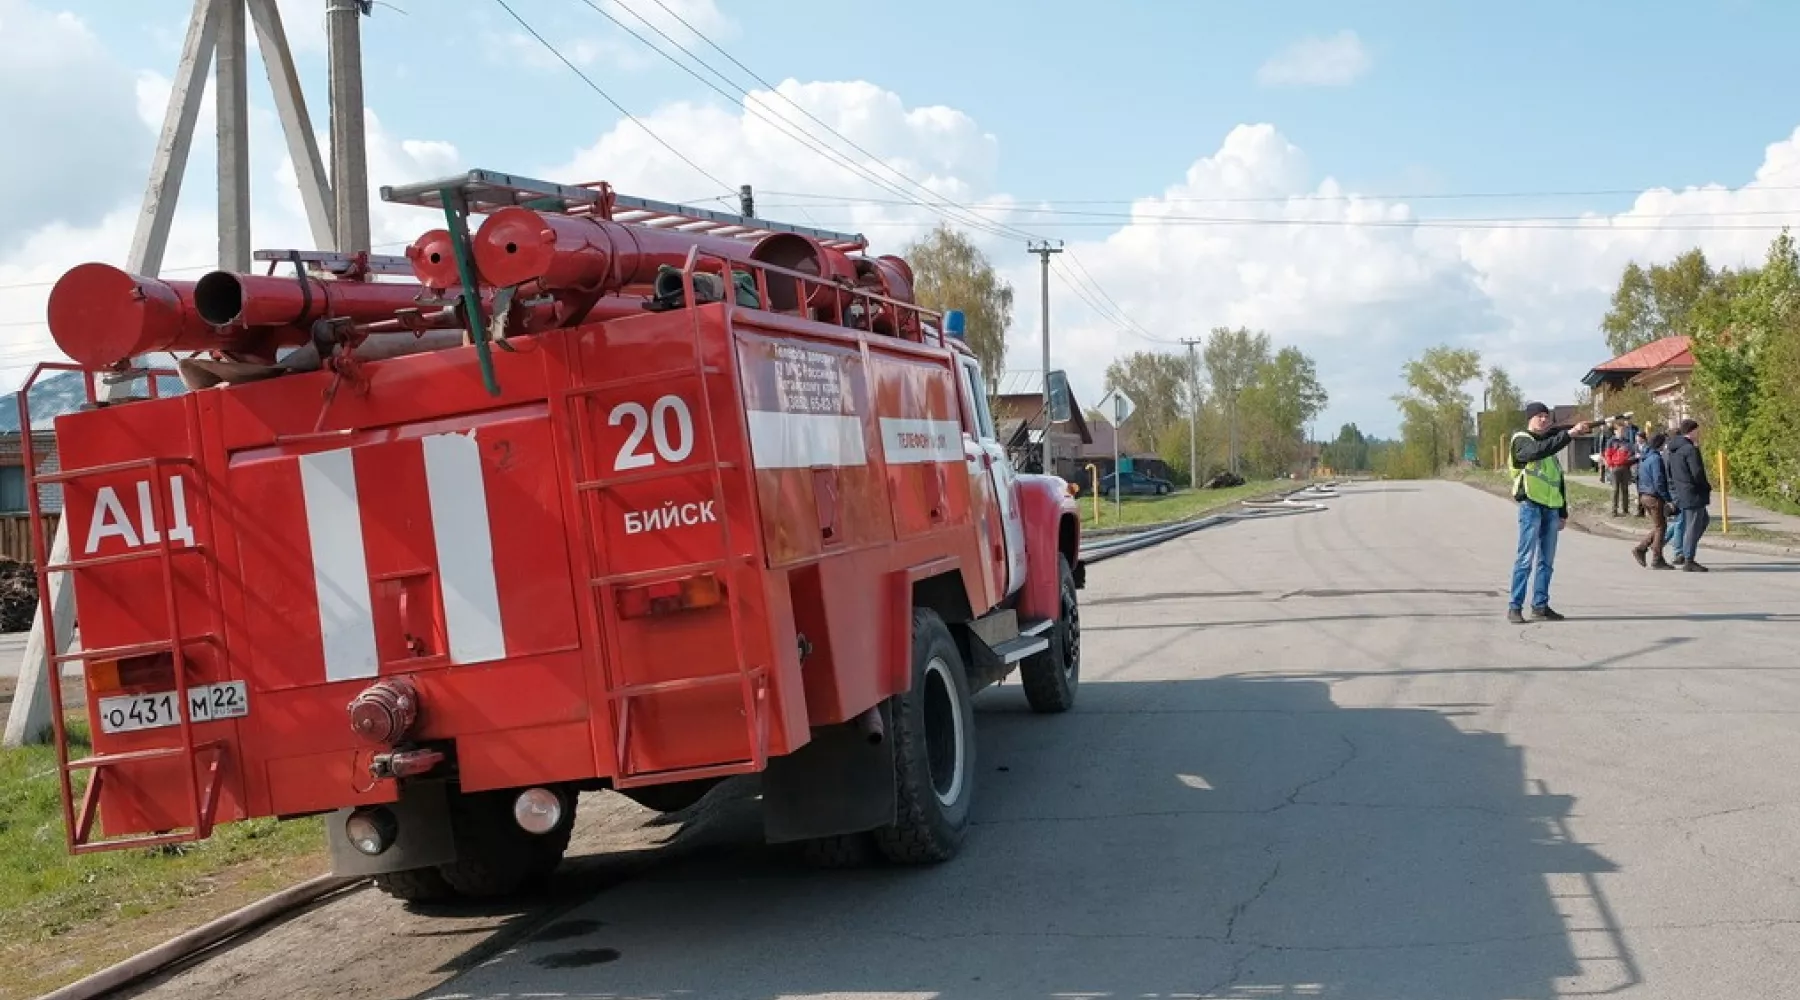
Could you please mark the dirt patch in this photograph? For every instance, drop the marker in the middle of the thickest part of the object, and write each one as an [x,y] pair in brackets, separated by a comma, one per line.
[362,945]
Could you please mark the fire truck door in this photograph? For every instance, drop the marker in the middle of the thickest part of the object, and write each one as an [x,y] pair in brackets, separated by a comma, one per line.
[1001,481]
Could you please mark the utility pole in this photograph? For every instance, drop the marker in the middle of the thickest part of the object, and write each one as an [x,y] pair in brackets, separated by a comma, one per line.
[349,157]
[1193,414]
[746,202]
[1044,249]
[216,39]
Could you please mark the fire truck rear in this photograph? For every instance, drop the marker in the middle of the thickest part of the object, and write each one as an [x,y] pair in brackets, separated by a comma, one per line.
[613,494]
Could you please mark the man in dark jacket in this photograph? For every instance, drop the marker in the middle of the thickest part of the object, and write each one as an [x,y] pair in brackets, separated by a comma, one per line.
[1691,489]
[1654,496]
[1543,509]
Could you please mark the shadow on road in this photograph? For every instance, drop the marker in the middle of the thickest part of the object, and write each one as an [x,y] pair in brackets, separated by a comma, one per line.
[1229,838]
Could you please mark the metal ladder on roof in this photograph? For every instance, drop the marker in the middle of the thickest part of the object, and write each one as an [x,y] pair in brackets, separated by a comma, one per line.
[202,802]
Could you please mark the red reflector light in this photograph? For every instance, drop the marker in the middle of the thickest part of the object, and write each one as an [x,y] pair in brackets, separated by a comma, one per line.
[669,596]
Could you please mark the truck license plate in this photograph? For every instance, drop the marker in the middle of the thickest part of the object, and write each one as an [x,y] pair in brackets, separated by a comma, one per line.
[206,703]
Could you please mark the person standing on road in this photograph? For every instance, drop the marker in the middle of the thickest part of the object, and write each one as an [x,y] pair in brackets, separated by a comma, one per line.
[1691,489]
[1543,510]
[1654,497]
[1620,458]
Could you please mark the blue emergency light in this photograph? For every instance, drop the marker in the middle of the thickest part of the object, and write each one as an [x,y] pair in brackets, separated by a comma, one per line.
[953,323]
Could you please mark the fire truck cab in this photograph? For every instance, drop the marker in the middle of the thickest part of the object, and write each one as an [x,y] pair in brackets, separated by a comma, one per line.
[620,495]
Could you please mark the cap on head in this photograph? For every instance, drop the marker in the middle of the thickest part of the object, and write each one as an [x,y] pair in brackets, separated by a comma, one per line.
[1533,409]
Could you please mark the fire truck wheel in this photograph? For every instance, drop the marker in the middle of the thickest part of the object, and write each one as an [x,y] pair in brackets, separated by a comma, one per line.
[844,850]
[934,751]
[1050,678]
[496,858]
[416,885]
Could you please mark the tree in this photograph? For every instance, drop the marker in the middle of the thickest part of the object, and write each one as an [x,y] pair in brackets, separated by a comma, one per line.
[1503,414]
[1232,359]
[1349,452]
[950,272]
[1657,302]
[1276,407]
[1160,386]
[1435,412]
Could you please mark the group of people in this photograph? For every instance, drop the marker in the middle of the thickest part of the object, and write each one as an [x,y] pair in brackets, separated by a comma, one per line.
[1673,490]
[1673,493]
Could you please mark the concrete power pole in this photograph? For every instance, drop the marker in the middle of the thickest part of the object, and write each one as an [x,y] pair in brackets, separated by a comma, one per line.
[349,158]
[1044,250]
[746,201]
[1193,414]
[216,39]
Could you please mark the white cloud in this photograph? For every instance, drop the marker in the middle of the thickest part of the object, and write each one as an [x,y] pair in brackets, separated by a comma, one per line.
[1337,61]
[1251,234]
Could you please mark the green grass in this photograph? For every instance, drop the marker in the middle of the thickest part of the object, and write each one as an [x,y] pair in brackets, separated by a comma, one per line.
[1141,511]
[62,916]
[1591,501]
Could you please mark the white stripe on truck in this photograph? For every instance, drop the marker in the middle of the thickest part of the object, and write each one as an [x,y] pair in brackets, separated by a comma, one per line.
[912,441]
[340,570]
[804,440]
[465,547]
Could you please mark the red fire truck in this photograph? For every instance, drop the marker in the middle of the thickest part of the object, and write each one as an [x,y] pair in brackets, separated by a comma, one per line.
[614,494]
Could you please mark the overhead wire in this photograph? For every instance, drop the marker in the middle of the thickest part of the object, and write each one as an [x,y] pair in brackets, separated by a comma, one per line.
[798,134]
[1358,195]
[1126,317]
[609,98]
[961,215]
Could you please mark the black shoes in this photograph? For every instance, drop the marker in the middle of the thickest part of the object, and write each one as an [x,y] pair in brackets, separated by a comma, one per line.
[1660,564]
[1691,566]
[1638,554]
[1545,614]
[1513,615]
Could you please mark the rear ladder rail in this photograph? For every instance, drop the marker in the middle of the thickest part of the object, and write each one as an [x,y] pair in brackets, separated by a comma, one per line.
[202,803]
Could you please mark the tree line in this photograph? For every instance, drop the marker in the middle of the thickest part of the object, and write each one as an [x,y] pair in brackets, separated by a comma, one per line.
[1744,328]
[1249,404]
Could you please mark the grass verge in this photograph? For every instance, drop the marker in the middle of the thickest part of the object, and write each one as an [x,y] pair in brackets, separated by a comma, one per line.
[1592,502]
[63,917]
[1137,512]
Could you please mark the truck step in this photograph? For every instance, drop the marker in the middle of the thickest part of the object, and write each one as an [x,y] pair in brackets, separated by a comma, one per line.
[1027,644]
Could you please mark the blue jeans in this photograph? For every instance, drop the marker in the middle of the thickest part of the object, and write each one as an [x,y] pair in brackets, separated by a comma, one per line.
[1538,526]
[1676,534]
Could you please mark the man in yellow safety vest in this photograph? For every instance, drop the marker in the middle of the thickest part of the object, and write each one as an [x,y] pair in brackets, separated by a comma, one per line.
[1537,485]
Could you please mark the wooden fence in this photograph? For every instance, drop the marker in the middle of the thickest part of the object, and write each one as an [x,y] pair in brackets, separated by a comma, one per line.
[15,536]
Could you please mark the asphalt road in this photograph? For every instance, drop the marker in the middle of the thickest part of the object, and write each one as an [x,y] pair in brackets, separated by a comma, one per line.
[1310,759]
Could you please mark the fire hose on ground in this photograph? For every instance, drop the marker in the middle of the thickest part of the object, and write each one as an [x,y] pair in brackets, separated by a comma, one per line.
[1301,501]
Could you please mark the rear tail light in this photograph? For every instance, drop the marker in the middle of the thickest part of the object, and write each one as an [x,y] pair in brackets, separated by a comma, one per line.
[688,593]
[155,672]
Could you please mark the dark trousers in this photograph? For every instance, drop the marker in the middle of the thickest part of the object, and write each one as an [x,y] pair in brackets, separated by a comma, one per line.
[1659,525]
[1697,520]
[1621,493]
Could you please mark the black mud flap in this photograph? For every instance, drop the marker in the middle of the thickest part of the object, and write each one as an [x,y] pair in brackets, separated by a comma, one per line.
[423,835]
[840,782]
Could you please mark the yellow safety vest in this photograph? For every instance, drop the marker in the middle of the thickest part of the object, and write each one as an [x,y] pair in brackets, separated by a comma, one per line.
[1542,479]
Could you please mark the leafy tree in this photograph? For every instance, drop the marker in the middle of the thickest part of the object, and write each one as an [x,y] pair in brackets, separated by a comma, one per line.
[1232,358]
[1349,452]
[1435,411]
[1657,302]
[1160,386]
[1275,408]
[1502,416]
[950,272]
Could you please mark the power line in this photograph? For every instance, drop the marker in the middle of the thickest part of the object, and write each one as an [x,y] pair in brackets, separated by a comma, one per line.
[1124,325]
[987,224]
[1356,196]
[609,98]
[798,134]
[1123,315]
[1600,225]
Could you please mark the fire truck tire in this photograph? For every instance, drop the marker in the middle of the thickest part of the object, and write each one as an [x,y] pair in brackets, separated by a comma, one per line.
[1052,677]
[844,850]
[496,857]
[416,885]
[934,751]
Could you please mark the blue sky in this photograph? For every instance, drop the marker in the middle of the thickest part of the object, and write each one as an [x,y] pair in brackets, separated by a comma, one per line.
[1058,101]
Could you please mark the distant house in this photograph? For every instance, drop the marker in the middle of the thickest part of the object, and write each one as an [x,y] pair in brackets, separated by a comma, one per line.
[1664,368]
[1099,453]
[1018,405]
